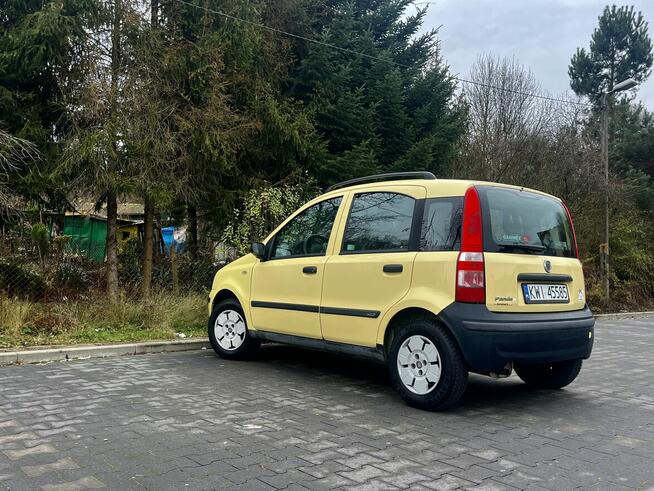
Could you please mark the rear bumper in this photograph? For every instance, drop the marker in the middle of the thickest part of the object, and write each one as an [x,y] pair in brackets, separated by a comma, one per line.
[490,340]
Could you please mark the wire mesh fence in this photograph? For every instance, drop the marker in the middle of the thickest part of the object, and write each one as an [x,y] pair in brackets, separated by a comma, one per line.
[55,271]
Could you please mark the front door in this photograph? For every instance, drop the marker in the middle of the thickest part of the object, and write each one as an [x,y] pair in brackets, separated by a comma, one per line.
[286,287]
[371,268]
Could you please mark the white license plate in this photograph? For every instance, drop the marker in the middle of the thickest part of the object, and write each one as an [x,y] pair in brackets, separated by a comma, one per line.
[535,293]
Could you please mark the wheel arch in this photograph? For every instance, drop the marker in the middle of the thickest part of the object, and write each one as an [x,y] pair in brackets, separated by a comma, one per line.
[228,292]
[400,317]
[224,294]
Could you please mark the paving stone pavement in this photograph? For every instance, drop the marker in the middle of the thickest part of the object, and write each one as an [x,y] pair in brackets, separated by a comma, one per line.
[293,419]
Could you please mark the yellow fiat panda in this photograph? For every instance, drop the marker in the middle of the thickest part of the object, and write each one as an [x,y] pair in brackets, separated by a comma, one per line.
[436,278]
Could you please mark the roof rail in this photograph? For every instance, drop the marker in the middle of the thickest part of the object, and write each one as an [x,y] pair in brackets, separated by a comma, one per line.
[392,176]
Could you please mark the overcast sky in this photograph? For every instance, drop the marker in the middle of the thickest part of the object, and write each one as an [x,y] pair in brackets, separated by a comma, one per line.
[541,34]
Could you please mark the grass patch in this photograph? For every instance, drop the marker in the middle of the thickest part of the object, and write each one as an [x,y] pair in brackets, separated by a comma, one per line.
[24,323]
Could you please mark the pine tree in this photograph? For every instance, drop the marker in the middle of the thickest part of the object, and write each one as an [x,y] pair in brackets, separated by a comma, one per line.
[383,98]
[620,48]
[42,56]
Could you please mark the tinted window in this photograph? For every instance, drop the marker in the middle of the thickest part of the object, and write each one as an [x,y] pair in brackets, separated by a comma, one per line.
[441,225]
[379,222]
[524,222]
[308,233]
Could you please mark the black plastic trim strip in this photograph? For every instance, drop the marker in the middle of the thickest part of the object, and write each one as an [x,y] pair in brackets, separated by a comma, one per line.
[375,354]
[285,306]
[369,314]
[545,278]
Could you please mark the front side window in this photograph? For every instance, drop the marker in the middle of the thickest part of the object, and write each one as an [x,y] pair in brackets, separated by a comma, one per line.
[441,224]
[308,233]
[518,221]
[379,222]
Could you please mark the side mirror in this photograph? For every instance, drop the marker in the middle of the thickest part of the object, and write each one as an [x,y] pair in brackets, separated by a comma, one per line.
[258,249]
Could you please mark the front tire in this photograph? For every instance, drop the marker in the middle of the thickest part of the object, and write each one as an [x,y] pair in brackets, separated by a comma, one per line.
[228,332]
[426,366]
[549,375]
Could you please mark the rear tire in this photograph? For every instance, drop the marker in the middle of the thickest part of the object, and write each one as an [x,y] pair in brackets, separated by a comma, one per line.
[549,375]
[228,332]
[426,366]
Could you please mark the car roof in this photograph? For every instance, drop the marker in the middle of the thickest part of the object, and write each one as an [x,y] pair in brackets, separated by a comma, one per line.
[434,187]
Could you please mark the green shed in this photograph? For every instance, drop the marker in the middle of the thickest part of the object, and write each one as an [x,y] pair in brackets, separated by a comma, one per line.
[88,235]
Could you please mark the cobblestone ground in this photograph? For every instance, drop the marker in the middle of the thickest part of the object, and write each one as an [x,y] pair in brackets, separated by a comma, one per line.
[294,419]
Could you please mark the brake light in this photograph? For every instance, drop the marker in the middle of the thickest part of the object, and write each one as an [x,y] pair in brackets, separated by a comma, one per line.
[470,280]
[572,228]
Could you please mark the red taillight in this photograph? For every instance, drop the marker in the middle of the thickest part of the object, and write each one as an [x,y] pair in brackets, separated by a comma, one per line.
[572,228]
[470,281]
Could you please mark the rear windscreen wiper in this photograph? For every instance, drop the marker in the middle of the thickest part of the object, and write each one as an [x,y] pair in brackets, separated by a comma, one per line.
[521,247]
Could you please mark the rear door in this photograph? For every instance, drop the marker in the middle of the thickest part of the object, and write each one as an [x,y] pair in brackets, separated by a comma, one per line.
[530,252]
[372,266]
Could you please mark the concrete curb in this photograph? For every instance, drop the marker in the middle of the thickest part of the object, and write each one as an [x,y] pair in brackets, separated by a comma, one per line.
[625,315]
[64,353]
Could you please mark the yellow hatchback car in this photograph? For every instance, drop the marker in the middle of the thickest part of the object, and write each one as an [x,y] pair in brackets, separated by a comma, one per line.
[434,277]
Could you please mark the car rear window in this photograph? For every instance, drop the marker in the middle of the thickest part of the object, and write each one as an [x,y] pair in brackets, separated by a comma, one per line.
[524,222]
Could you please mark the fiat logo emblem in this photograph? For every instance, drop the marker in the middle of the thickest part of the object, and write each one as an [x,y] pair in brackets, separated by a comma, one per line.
[547,264]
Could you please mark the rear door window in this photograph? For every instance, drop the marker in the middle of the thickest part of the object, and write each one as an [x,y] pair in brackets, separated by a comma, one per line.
[524,222]
[379,222]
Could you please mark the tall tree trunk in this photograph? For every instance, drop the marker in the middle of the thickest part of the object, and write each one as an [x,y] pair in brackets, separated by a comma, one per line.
[148,245]
[112,200]
[193,231]
[173,268]
[154,13]
[112,249]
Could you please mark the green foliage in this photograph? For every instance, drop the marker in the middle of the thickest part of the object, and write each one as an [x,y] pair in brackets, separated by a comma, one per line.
[21,282]
[71,276]
[24,323]
[41,238]
[42,48]
[632,249]
[263,209]
[620,48]
[384,110]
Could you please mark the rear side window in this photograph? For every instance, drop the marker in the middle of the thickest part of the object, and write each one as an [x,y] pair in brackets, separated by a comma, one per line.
[379,222]
[441,224]
[517,221]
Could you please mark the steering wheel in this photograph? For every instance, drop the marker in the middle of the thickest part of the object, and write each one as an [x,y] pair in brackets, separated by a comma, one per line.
[316,239]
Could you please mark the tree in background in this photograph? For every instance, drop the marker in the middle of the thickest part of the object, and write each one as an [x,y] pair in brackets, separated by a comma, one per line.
[239,129]
[42,52]
[96,156]
[505,124]
[516,138]
[620,48]
[391,108]
[15,153]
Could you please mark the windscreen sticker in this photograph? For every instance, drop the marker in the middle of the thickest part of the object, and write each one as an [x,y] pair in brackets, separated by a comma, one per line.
[508,238]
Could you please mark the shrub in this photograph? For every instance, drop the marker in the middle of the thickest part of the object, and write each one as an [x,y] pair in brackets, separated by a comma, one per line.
[263,209]
[72,276]
[19,281]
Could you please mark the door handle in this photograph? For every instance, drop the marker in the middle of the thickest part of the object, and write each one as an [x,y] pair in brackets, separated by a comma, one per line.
[393,268]
[310,270]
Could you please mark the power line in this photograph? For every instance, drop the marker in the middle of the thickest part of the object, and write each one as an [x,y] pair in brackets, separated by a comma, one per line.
[519,92]
[371,57]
